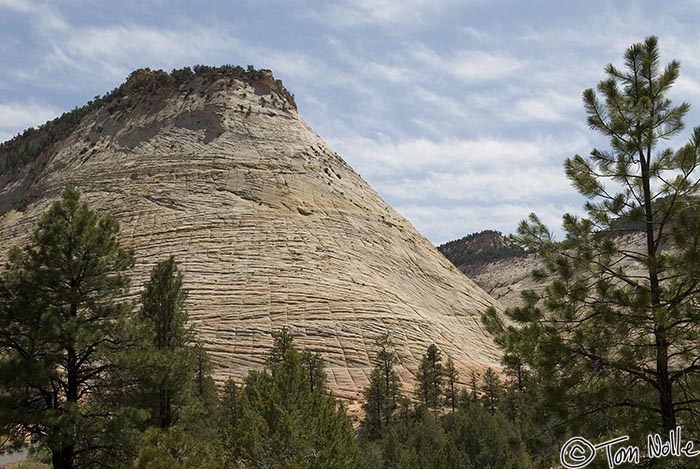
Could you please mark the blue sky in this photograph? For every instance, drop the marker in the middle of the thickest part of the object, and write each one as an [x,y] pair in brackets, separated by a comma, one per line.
[459,113]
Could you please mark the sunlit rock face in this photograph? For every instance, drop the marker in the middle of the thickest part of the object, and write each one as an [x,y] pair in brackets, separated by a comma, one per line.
[270,227]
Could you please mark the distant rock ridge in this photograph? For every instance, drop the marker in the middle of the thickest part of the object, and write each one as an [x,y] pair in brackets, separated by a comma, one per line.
[473,251]
[504,269]
[270,227]
[495,263]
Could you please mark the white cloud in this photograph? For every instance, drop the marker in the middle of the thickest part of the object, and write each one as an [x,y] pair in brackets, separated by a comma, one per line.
[440,104]
[22,6]
[287,64]
[478,65]
[107,54]
[393,74]
[549,106]
[23,115]
[473,33]
[389,157]
[506,183]
[44,17]
[445,223]
[686,89]
[405,13]
[469,66]
[118,50]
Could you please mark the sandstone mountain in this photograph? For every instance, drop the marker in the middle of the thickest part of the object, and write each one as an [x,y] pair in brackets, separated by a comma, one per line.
[270,226]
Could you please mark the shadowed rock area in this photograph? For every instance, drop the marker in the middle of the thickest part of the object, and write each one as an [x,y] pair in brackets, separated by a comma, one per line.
[269,225]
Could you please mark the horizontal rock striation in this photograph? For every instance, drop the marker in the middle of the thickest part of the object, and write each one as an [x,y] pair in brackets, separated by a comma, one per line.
[270,227]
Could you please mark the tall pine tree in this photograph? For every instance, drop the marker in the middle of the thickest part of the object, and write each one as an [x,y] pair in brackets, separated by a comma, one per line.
[614,338]
[169,362]
[60,316]
[430,378]
[381,396]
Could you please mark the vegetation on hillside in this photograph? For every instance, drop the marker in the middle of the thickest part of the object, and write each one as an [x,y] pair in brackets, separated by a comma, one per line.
[31,143]
[480,248]
[445,425]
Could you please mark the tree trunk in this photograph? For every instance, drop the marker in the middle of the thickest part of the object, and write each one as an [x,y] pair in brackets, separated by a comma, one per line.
[164,411]
[663,380]
[668,413]
[63,458]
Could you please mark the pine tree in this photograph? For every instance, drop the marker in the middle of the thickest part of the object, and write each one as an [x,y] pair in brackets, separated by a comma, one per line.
[231,415]
[314,368]
[373,400]
[280,422]
[385,363]
[168,352]
[474,384]
[201,404]
[282,345]
[491,390]
[469,437]
[60,325]
[480,439]
[615,336]
[381,396]
[430,378]
[174,448]
[451,375]
[204,386]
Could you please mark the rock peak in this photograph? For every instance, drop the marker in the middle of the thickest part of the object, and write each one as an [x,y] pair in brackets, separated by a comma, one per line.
[270,227]
[185,79]
[142,83]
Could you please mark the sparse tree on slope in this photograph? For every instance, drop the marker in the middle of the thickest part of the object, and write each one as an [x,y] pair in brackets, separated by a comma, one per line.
[491,390]
[451,375]
[381,396]
[429,378]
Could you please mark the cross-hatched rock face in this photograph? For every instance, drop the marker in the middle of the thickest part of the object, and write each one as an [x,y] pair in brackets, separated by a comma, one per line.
[270,227]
